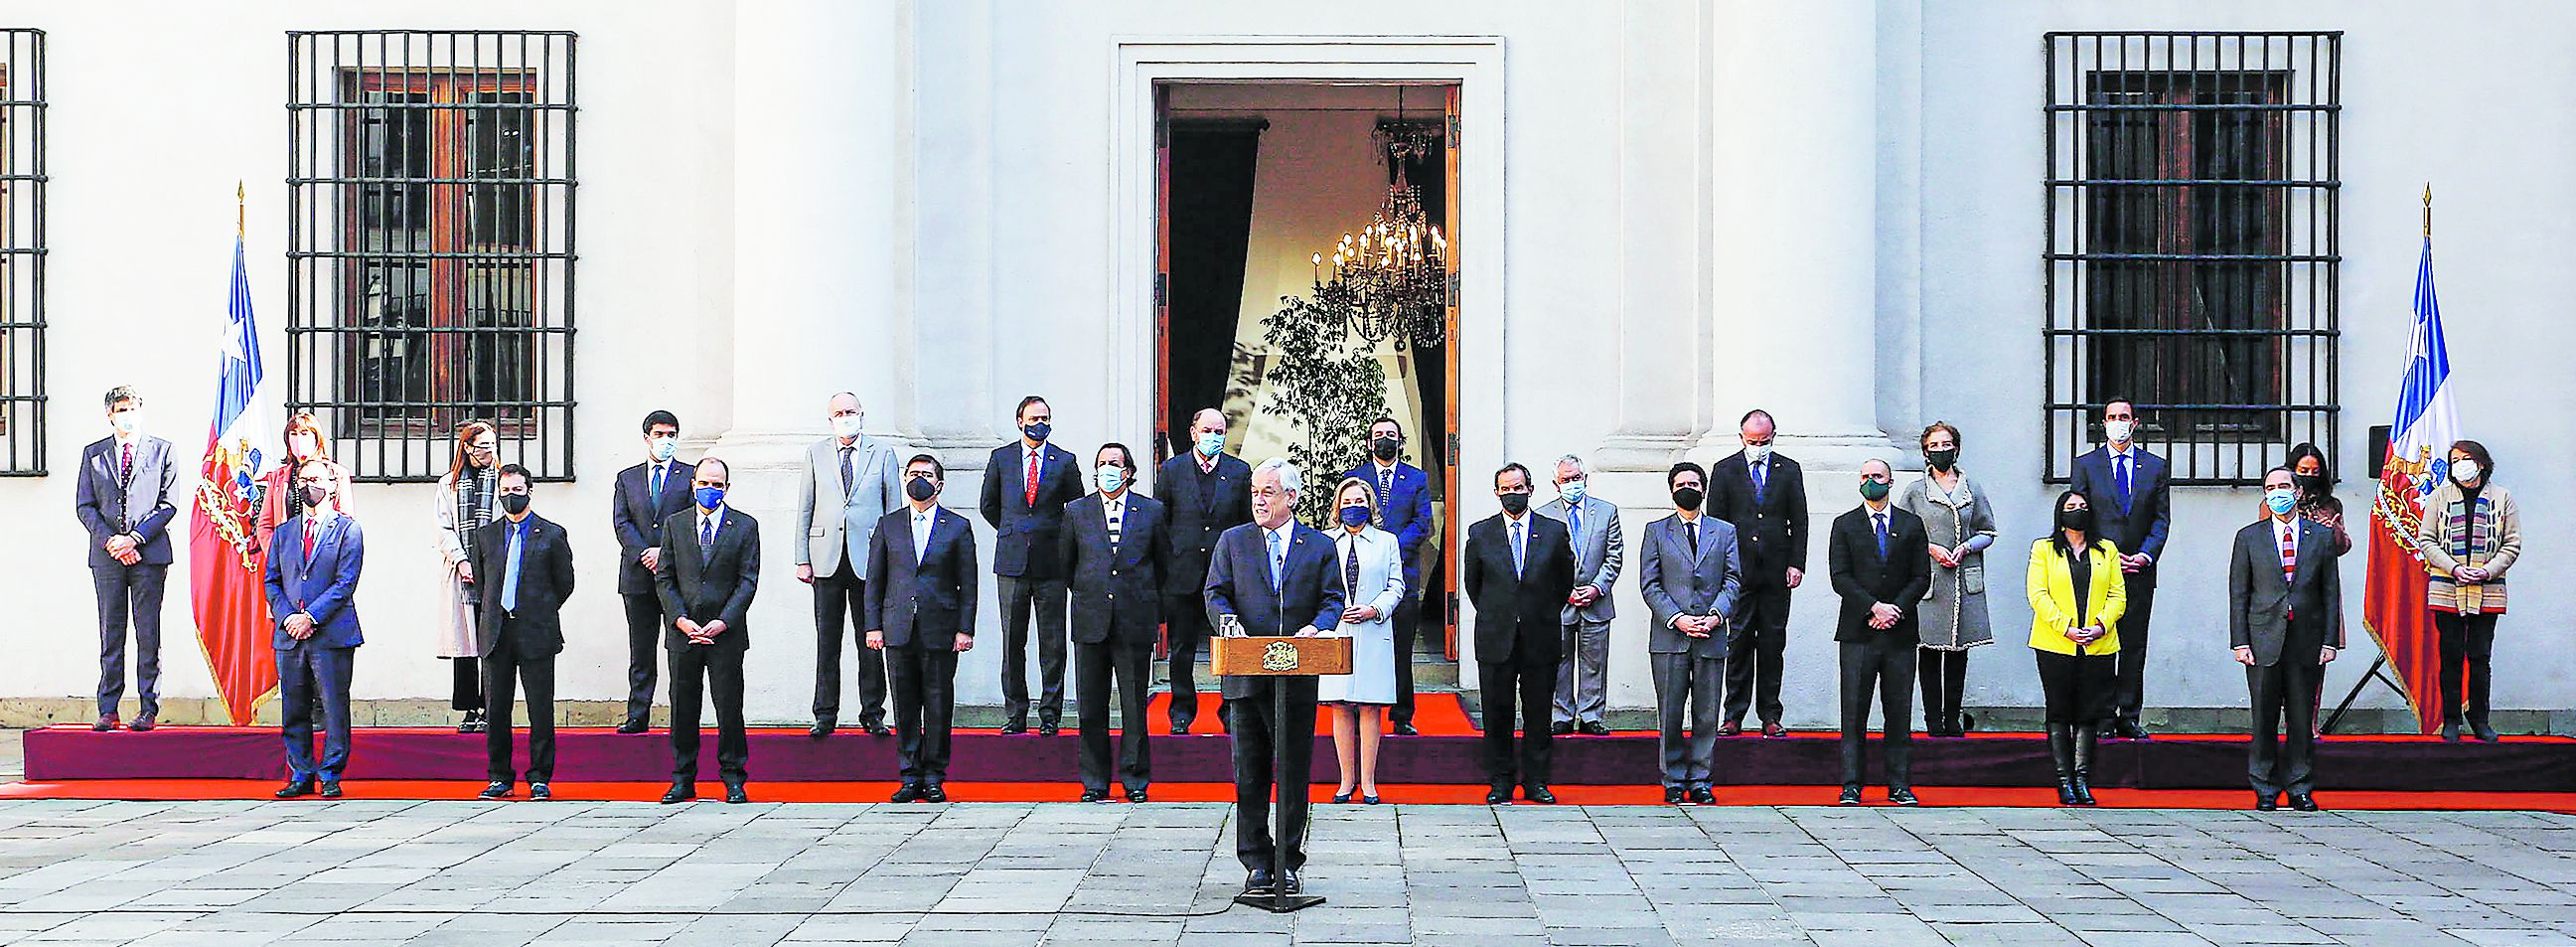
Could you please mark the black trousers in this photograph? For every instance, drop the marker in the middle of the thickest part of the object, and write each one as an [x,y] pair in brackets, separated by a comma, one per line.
[2076,687]
[839,599]
[2467,641]
[2129,692]
[923,676]
[1531,679]
[1044,600]
[2285,691]
[643,653]
[129,593]
[1944,678]
[467,691]
[535,676]
[1132,666]
[697,670]
[1408,622]
[1885,666]
[1258,733]
[1753,649]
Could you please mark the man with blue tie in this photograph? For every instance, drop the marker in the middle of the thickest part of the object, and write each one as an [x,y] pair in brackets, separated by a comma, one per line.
[1404,508]
[1876,555]
[1592,525]
[2131,487]
[1764,496]
[1026,485]
[123,500]
[920,614]
[313,566]
[1518,569]
[706,588]
[520,630]
[646,494]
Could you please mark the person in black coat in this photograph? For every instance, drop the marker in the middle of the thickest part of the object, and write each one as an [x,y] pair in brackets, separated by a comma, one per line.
[2131,491]
[920,611]
[1764,496]
[1519,568]
[1026,485]
[1876,554]
[706,585]
[1114,549]
[646,494]
[1206,491]
[2285,622]
[520,630]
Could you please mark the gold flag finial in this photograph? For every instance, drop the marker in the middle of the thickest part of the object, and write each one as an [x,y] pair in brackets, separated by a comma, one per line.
[2428,210]
[241,213]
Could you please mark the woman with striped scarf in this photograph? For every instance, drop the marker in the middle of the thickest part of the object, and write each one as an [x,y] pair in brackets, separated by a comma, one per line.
[466,501]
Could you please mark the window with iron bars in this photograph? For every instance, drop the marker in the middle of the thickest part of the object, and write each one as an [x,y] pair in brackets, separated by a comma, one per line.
[2191,246]
[22,253]
[430,245]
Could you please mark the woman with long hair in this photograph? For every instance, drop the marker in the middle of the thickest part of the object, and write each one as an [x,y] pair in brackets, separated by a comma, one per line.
[2316,493]
[279,500]
[1372,571]
[2076,599]
[2471,532]
[467,499]
[1959,524]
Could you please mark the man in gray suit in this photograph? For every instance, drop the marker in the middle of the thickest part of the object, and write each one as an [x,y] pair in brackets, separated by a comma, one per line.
[1582,682]
[1689,571]
[855,477]
[123,499]
[2285,618]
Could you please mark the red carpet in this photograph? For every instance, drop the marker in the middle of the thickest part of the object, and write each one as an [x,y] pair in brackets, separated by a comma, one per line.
[1434,715]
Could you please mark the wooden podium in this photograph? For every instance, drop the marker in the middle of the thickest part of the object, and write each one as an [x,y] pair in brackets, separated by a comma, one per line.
[1279,657]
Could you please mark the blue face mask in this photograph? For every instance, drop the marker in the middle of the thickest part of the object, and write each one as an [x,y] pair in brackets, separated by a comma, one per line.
[1211,443]
[1571,490]
[1038,431]
[1111,478]
[710,497]
[1355,515]
[2280,502]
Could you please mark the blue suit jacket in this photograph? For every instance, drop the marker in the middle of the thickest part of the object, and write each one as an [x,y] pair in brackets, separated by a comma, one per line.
[1309,594]
[1406,512]
[325,588]
[2140,525]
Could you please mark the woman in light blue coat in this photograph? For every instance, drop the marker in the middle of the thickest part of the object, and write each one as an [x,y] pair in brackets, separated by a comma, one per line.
[1371,566]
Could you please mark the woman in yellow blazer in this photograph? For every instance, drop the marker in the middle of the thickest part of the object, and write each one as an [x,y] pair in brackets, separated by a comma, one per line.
[2076,647]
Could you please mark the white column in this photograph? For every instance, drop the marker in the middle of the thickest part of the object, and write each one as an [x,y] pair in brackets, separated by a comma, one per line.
[1663,334]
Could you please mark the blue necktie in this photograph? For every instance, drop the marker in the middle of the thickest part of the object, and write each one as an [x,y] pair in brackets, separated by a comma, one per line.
[1385,486]
[510,576]
[1574,525]
[1880,520]
[1516,550]
[1278,558]
[1760,478]
[706,537]
[2120,468]
[658,473]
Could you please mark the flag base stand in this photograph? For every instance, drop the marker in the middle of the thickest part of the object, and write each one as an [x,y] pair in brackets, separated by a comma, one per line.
[1276,903]
[2376,664]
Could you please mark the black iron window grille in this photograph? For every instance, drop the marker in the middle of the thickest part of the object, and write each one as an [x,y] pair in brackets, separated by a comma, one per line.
[430,244]
[22,253]
[2191,246]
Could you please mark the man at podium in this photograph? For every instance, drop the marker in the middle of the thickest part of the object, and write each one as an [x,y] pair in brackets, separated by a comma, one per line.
[1273,577]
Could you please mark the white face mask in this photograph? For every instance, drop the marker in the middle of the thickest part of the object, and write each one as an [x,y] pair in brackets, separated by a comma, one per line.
[300,445]
[2464,470]
[127,422]
[1757,453]
[2119,431]
[846,426]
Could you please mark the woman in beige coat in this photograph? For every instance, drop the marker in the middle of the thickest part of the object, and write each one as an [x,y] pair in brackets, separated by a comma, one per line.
[2470,533]
[467,499]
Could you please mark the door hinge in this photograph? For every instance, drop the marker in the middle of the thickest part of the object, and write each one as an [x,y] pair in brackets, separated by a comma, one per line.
[1159,280]
[1453,448]
[1453,608]
[1453,132]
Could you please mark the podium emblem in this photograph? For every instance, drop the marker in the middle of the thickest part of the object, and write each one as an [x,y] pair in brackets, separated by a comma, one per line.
[1279,656]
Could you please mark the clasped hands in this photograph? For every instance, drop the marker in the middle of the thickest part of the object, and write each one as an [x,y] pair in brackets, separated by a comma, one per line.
[1884,616]
[122,548]
[2471,574]
[299,626]
[1583,596]
[700,634]
[1949,557]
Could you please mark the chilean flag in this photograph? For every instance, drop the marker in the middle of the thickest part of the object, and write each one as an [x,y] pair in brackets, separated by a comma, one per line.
[226,555]
[2419,452]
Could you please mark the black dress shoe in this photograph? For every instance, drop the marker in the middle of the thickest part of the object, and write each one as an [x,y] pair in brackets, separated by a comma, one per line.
[1499,795]
[1850,796]
[1596,728]
[1180,729]
[1673,795]
[1258,881]
[934,792]
[736,794]
[633,726]
[1048,729]
[1538,794]
[1560,728]
[2450,731]
[330,789]
[1773,730]
[906,793]
[1731,728]
[876,728]
[2266,802]
[2477,728]
[497,790]
[540,792]
[1702,796]
[143,724]
[1095,795]
[2130,729]
[473,723]
[1289,883]
[1406,730]
[1903,797]
[1014,727]
[679,793]
[821,729]
[295,788]
[1136,795]
[2303,802]
[106,722]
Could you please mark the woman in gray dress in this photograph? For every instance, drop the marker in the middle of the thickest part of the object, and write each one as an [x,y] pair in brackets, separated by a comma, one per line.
[1960,524]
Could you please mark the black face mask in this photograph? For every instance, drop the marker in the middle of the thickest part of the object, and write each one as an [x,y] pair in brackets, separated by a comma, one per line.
[1688,498]
[1516,503]
[514,503]
[1943,459]
[1384,448]
[919,489]
[2079,520]
[2312,484]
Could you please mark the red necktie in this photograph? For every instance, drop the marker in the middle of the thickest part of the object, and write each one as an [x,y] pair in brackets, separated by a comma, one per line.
[308,542]
[2289,557]
[1032,481]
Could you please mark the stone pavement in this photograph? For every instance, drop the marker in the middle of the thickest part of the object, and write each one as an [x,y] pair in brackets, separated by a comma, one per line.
[206,874]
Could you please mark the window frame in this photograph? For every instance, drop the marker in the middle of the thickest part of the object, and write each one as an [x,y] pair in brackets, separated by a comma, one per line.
[23,182]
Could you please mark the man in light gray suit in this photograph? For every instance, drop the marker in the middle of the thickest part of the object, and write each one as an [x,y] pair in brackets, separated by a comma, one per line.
[1582,682]
[1689,571]
[124,502]
[856,479]
[2285,619]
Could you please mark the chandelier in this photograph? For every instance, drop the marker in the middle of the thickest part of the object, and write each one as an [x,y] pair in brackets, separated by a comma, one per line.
[1391,278]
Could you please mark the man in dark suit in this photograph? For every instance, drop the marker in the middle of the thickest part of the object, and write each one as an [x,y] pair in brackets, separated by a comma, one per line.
[520,630]
[647,494]
[1026,485]
[2285,619]
[1691,576]
[1274,577]
[1764,496]
[1404,508]
[706,585]
[919,612]
[1519,567]
[1876,555]
[1115,547]
[1206,491]
[123,500]
[2129,488]
[313,566]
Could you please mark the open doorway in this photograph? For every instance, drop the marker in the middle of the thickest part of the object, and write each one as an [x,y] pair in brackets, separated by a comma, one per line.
[1259,183]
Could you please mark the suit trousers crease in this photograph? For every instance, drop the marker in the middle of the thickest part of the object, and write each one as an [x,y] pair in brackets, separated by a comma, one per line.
[1881,667]
[1259,732]
[643,652]
[1753,654]
[536,678]
[1186,631]
[1531,681]
[923,679]
[1687,693]
[839,601]
[309,675]
[2129,693]
[1408,622]
[1132,667]
[2284,695]
[1582,683]
[699,672]
[1043,601]
[129,595]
